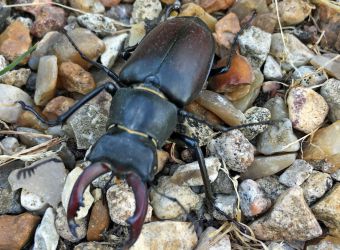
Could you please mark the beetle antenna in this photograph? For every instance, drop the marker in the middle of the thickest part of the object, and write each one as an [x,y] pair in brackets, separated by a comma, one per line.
[224,69]
[109,72]
[218,127]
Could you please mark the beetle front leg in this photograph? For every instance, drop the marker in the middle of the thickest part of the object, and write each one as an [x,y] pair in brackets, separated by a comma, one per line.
[109,87]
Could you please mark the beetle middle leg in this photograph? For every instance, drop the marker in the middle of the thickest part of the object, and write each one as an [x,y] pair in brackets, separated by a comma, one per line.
[109,87]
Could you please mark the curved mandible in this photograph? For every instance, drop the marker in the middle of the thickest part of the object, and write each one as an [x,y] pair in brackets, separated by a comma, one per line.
[136,221]
[76,199]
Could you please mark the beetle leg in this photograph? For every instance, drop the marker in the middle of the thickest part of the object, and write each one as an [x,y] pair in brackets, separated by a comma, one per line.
[173,7]
[192,143]
[109,72]
[221,128]
[76,199]
[141,196]
[109,87]
[126,52]
[224,69]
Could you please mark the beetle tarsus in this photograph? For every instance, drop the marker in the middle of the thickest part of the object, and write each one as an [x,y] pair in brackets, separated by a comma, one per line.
[141,196]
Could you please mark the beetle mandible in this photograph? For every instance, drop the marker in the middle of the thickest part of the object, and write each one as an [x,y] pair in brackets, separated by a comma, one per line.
[165,72]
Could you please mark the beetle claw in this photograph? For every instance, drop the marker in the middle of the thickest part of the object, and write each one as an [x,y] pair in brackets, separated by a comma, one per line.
[141,196]
[73,227]
[76,199]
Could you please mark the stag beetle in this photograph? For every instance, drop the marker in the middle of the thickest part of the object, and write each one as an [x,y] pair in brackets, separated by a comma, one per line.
[166,71]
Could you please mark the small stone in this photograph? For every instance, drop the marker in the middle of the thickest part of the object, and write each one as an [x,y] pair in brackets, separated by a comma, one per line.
[40,182]
[227,204]
[92,6]
[307,109]
[3,62]
[28,119]
[202,112]
[4,14]
[277,108]
[17,230]
[191,9]
[255,87]
[14,41]
[157,233]
[10,199]
[46,84]
[223,184]
[235,93]
[46,236]
[194,129]
[97,23]
[254,115]
[293,11]
[244,8]
[99,221]
[278,138]
[271,186]
[332,67]
[10,110]
[336,175]
[255,45]
[57,106]
[75,79]
[296,174]
[290,219]
[64,231]
[113,46]
[190,174]
[110,3]
[216,5]
[164,208]
[239,74]
[32,202]
[25,20]
[95,246]
[87,200]
[266,22]
[225,30]
[316,186]
[327,210]
[220,106]
[89,122]
[268,165]
[121,12]
[121,202]
[206,241]
[293,54]
[137,32]
[10,145]
[331,92]
[252,200]
[234,149]
[146,10]
[47,19]
[17,78]
[55,43]
[329,243]
[272,70]
[323,146]
[307,76]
